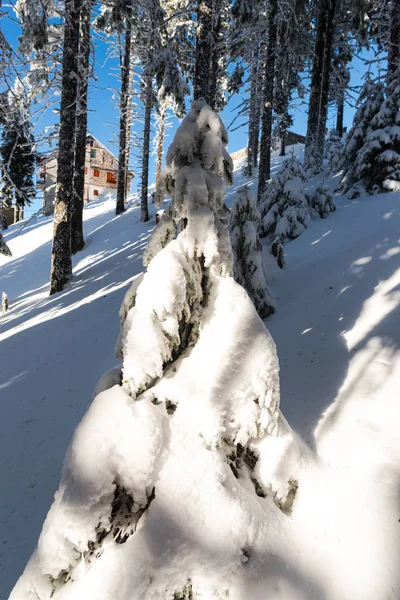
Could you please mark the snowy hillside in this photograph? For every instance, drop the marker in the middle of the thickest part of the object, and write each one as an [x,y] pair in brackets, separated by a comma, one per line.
[337,333]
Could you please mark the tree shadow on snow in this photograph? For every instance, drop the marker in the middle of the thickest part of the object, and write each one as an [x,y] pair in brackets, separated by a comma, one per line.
[318,303]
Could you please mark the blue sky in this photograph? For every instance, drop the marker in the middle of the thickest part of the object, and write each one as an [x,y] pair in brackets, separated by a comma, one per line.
[103,116]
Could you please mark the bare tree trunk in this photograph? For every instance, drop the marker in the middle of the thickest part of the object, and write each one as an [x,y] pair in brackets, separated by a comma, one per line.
[123,121]
[128,134]
[216,53]
[204,50]
[266,130]
[61,263]
[283,143]
[253,110]
[394,42]
[77,239]
[257,122]
[339,116]
[316,88]
[160,144]
[326,77]
[144,208]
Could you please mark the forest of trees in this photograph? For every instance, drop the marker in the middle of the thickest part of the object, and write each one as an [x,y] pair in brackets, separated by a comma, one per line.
[274,55]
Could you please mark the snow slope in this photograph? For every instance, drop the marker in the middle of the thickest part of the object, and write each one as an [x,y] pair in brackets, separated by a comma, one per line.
[338,339]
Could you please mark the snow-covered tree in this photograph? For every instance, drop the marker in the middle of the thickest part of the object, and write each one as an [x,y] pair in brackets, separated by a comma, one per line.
[322,202]
[17,149]
[4,249]
[369,102]
[377,165]
[4,297]
[248,268]
[333,151]
[170,476]
[284,209]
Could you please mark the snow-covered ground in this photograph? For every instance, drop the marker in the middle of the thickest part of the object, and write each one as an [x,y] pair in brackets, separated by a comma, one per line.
[337,330]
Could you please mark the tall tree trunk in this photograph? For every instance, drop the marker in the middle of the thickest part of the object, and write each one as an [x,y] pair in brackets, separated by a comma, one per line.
[77,239]
[144,208]
[326,77]
[216,53]
[128,134]
[204,50]
[61,263]
[340,115]
[123,120]
[253,109]
[257,120]
[394,42]
[266,130]
[160,143]
[283,143]
[316,87]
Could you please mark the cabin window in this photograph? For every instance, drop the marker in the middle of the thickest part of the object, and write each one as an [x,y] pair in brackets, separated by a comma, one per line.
[93,153]
[96,172]
[95,192]
[111,178]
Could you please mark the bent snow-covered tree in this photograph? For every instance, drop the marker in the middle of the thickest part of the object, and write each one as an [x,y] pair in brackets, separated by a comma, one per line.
[369,103]
[377,166]
[185,438]
[248,268]
[283,206]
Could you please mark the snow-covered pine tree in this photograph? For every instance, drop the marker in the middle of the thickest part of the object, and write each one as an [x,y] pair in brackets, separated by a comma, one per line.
[377,164]
[369,102]
[4,249]
[248,268]
[322,202]
[333,151]
[4,299]
[394,39]
[17,149]
[166,478]
[284,208]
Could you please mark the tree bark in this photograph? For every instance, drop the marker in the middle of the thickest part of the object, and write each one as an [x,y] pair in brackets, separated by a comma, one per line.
[123,120]
[253,110]
[266,130]
[77,239]
[204,50]
[61,263]
[215,54]
[339,116]
[394,41]
[316,87]
[160,144]
[283,143]
[326,77]
[144,208]
[128,134]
